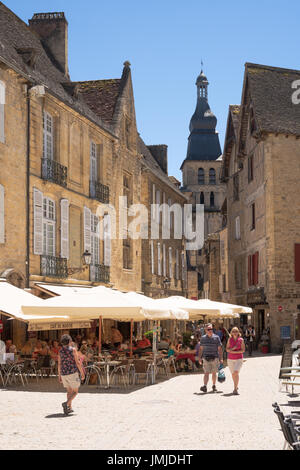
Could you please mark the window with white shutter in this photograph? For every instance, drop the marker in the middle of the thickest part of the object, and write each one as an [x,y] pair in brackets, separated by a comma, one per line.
[164,261]
[107,240]
[49,225]
[48,136]
[38,222]
[170,263]
[177,266]
[158,260]
[87,216]
[2,216]
[95,240]
[2,112]
[64,228]
[152,257]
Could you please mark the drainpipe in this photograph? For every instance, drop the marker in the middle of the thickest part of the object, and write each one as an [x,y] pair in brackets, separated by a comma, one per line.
[28,191]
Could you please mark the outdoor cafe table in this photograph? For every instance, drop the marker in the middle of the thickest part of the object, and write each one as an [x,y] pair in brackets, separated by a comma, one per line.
[107,365]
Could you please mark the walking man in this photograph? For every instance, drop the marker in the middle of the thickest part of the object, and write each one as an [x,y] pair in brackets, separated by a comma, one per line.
[211,353]
[69,368]
[250,335]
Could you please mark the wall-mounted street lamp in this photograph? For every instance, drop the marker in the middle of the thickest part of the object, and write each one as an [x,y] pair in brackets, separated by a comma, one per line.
[86,261]
[166,283]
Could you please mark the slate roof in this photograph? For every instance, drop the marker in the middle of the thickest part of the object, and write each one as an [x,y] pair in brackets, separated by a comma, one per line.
[150,163]
[101,96]
[15,34]
[271,93]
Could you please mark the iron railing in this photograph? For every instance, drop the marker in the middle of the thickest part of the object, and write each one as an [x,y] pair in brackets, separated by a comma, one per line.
[54,171]
[54,267]
[99,191]
[100,273]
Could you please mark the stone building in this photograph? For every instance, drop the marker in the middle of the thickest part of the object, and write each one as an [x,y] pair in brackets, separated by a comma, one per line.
[201,176]
[68,152]
[261,167]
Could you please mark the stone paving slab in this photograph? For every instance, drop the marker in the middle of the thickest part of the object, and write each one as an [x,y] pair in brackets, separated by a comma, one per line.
[167,416]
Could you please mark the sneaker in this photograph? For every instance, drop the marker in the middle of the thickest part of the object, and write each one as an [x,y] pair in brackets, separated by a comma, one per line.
[204,389]
[214,389]
[65,408]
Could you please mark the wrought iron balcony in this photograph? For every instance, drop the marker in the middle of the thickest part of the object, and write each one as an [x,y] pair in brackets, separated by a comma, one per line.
[54,171]
[54,267]
[100,273]
[99,191]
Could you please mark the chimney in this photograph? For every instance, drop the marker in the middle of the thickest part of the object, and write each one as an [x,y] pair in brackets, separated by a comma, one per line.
[160,153]
[52,29]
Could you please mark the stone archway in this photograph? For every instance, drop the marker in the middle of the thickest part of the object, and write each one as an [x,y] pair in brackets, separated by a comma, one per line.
[16,278]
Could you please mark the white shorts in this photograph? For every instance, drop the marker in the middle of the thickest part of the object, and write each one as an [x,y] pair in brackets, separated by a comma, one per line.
[234,365]
[71,381]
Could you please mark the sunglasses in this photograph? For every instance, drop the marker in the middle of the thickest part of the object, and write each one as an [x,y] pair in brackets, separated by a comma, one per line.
[209,329]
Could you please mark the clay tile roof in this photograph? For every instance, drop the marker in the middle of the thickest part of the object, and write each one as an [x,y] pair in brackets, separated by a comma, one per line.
[271,93]
[100,96]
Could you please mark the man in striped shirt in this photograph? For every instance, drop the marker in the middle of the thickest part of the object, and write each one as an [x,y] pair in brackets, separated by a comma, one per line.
[211,354]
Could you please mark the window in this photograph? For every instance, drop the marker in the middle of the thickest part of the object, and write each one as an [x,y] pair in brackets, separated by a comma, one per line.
[127,189]
[297,262]
[252,216]
[127,132]
[93,162]
[2,112]
[95,240]
[201,176]
[48,136]
[202,198]
[127,242]
[237,228]
[170,263]
[152,257]
[158,260]
[48,227]
[164,261]
[212,176]
[212,199]
[250,168]
[253,269]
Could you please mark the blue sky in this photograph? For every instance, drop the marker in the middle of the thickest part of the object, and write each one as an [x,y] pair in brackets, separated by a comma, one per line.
[165,41]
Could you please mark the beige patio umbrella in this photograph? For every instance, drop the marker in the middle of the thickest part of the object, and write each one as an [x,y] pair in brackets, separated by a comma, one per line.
[101,303]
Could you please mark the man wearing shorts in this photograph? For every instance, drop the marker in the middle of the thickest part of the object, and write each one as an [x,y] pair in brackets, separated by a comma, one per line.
[69,368]
[211,354]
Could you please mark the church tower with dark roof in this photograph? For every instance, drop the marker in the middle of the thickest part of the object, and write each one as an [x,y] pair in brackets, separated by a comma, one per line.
[201,171]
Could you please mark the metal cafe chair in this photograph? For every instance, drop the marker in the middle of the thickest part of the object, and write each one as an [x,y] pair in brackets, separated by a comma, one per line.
[142,368]
[92,369]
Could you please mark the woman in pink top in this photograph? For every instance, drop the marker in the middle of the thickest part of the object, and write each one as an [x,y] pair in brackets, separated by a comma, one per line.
[235,349]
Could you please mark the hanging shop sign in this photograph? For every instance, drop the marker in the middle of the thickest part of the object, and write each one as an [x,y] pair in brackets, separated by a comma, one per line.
[59,326]
[256,297]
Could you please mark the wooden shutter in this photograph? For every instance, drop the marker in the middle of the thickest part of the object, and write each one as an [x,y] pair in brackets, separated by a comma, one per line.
[2,217]
[38,222]
[64,228]
[87,229]
[107,240]
[2,112]
[297,262]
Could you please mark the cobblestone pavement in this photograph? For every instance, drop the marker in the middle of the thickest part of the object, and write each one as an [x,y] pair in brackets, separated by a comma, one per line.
[167,416]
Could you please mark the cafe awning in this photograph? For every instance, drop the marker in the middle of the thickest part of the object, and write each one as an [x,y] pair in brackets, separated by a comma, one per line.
[102,302]
[11,300]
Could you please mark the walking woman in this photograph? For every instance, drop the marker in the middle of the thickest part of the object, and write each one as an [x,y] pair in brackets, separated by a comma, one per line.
[235,349]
